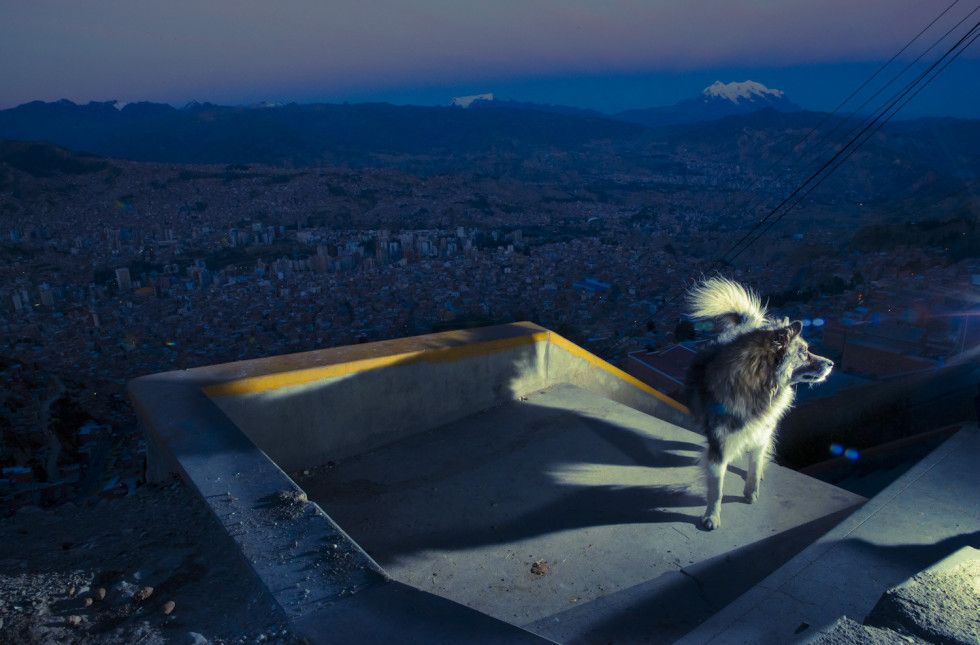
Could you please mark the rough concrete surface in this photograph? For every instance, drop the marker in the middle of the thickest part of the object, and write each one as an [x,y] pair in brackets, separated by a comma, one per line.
[939,605]
[165,566]
[848,632]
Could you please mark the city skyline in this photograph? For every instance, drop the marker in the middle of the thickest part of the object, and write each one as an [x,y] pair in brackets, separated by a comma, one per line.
[605,56]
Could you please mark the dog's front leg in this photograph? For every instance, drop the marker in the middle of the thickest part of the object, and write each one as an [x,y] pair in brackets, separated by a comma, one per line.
[753,477]
[715,476]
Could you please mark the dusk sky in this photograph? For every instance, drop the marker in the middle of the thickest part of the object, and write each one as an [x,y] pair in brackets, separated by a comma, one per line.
[608,55]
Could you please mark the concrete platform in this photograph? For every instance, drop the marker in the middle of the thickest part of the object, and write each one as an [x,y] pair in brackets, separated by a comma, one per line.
[458,460]
[571,516]
[929,513]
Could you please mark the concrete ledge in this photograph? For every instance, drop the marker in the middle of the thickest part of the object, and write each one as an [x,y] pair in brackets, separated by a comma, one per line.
[295,549]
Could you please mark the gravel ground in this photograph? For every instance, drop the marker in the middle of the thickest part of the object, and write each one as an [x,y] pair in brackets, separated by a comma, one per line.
[149,568]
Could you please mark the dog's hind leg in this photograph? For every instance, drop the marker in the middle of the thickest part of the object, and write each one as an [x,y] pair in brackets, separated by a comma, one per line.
[714,468]
[753,476]
[757,456]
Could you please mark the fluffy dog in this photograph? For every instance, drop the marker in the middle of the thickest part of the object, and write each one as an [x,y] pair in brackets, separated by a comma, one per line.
[741,384]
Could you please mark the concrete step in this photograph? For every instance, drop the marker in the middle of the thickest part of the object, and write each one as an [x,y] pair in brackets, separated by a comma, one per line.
[929,513]
[571,516]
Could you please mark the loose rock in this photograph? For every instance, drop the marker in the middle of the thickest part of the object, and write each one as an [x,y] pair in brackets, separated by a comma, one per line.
[179,552]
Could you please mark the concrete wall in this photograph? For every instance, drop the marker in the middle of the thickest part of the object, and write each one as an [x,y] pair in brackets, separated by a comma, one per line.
[307,425]
[569,363]
[404,390]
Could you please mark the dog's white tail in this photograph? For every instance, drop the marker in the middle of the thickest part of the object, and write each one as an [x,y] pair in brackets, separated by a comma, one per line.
[727,300]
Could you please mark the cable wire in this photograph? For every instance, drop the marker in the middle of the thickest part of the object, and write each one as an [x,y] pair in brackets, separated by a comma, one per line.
[883,115]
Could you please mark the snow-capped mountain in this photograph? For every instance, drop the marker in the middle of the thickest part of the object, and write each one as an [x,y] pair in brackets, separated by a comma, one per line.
[738,92]
[465,101]
[265,105]
[716,101]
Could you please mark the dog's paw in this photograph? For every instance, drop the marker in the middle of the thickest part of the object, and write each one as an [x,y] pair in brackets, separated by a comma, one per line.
[711,522]
[751,494]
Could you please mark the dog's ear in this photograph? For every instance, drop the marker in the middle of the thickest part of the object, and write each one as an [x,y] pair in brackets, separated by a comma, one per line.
[795,327]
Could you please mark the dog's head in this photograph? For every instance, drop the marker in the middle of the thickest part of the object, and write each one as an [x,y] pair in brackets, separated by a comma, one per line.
[797,364]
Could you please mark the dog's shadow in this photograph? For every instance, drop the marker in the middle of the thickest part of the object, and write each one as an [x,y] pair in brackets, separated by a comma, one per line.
[658,481]
[633,475]
[644,450]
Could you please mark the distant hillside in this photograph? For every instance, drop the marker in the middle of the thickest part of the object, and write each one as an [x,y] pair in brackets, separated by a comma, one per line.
[924,157]
[44,159]
[39,159]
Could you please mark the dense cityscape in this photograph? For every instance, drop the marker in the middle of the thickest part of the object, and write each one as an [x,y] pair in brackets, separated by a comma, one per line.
[132,269]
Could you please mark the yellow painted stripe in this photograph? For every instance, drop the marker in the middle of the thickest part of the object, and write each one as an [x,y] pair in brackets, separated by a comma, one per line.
[268,382]
[597,362]
[445,354]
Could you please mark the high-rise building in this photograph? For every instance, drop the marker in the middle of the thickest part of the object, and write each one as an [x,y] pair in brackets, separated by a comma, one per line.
[122,277]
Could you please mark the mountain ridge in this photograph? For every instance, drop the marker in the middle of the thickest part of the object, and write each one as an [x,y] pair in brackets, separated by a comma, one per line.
[505,138]
[715,102]
[295,134]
